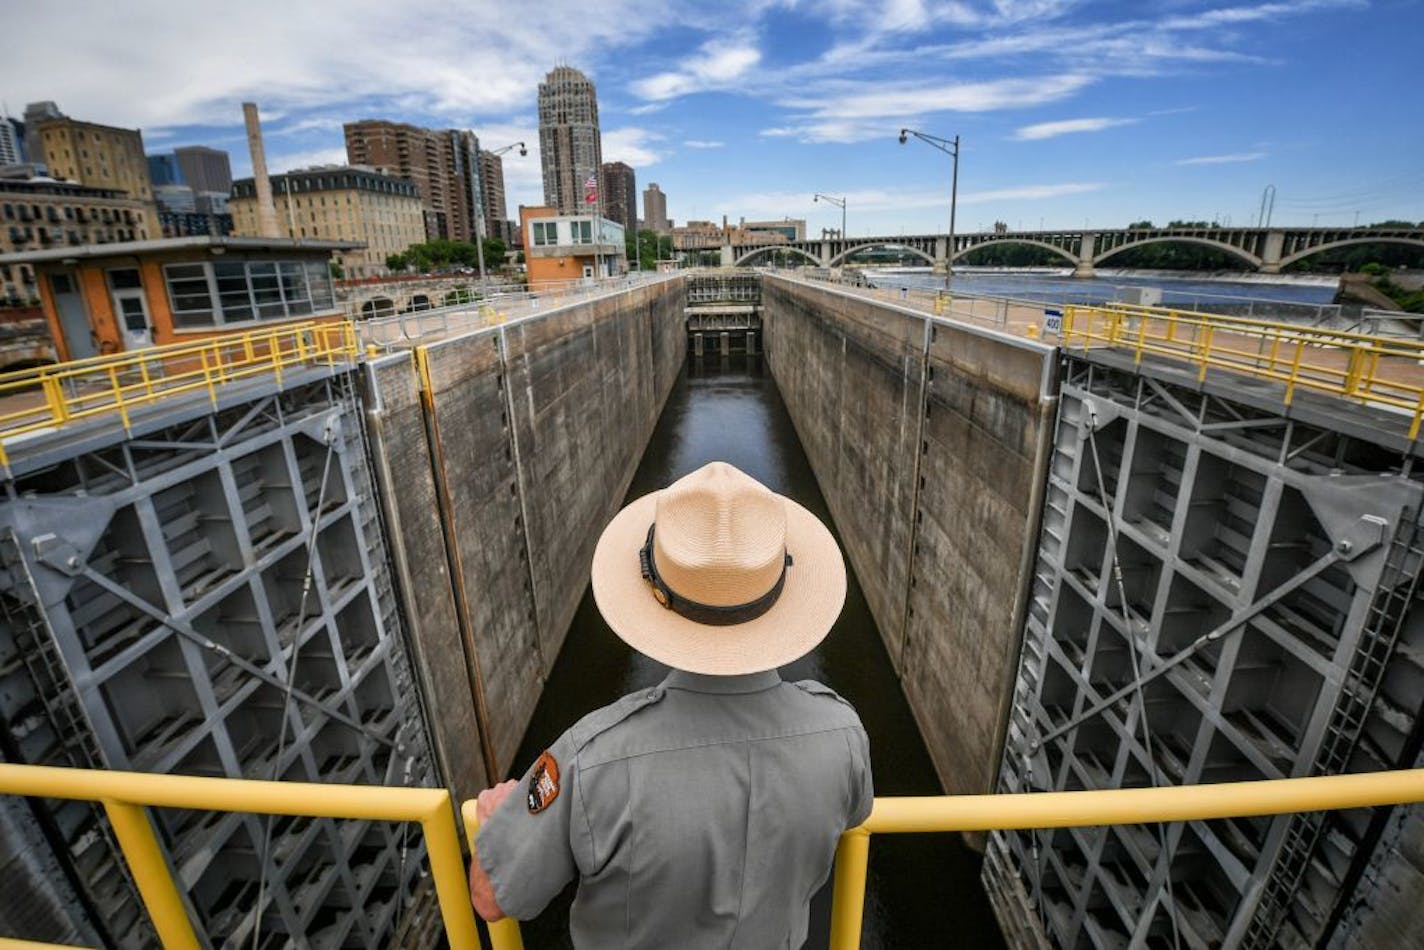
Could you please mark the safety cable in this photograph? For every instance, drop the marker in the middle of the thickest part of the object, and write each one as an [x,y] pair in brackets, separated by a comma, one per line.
[291,672]
[1127,632]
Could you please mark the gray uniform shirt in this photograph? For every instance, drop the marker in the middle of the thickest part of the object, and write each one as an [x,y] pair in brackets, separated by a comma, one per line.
[701,813]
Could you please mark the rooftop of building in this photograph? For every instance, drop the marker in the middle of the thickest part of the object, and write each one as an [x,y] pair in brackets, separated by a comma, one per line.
[330,178]
[214,245]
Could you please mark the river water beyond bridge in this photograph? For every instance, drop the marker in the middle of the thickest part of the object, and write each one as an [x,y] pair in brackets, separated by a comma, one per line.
[729,409]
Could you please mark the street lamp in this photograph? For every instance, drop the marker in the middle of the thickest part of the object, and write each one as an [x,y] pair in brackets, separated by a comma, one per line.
[839,203]
[480,215]
[951,148]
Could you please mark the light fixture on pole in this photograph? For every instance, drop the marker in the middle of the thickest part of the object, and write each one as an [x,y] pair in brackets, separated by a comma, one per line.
[951,148]
[839,203]
[480,215]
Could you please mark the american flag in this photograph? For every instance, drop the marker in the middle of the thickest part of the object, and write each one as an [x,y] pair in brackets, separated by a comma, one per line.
[590,190]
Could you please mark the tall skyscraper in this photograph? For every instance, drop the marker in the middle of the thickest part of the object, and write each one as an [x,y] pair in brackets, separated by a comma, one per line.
[620,199]
[203,168]
[492,184]
[655,209]
[163,170]
[571,149]
[12,142]
[443,164]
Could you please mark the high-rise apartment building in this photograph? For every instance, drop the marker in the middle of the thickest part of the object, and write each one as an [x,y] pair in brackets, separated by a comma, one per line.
[467,191]
[497,224]
[655,209]
[442,163]
[620,200]
[12,141]
[570,147]
[339,203]
[203,168]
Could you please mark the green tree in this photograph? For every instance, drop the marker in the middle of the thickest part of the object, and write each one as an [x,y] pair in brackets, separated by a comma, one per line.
[337,270]
[494,252]
[397,262]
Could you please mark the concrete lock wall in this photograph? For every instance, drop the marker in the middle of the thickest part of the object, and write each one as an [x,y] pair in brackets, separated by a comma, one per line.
[532,432]
[928,439]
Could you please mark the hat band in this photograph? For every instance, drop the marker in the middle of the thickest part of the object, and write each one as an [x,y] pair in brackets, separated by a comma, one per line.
[706,613]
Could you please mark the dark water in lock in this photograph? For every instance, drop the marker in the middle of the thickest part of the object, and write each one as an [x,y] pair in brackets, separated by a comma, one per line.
[923,890]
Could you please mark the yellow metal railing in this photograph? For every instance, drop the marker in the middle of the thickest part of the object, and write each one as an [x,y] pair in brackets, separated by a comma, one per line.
[114,386]
[1376,370]
[125,795]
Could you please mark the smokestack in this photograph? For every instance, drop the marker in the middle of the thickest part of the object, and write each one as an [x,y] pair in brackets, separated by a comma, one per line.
[266,209]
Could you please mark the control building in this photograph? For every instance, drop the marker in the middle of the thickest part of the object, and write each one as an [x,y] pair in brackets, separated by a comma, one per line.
[570,145]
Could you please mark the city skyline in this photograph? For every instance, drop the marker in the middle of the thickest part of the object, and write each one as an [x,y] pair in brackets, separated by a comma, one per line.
[1069,116]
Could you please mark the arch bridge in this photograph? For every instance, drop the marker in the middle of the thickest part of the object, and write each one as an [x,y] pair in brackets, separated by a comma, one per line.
[1265,250]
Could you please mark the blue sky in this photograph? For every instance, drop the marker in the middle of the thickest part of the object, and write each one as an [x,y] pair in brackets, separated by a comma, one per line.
[1070,113]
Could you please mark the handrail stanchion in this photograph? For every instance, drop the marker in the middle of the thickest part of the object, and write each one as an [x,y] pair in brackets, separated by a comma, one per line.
[442,844]
[150,872]
[848,894]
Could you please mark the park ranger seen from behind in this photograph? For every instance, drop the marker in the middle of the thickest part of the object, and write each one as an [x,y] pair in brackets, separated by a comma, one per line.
[703,812]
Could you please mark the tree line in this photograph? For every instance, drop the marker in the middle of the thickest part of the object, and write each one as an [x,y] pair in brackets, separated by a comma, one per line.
[442,254]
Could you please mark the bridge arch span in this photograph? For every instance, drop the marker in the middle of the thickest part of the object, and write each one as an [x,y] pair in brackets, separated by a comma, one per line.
[378,307]
[1301,255]
[1068,256]
[840,258]
[755,252]
[1236,252]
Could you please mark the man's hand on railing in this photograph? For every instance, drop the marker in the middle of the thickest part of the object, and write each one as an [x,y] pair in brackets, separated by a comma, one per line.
[481,888]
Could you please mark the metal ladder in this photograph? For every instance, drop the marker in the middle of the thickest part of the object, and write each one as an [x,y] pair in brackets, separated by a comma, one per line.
[1398,584]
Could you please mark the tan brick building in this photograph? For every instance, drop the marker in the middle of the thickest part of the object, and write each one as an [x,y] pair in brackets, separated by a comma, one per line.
[99,156]
[339,203]
[40,214]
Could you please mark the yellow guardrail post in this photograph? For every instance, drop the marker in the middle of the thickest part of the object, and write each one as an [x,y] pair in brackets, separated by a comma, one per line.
[442,843]
[150,871]
[504,934]
[118,391]
[53,388]
[848,894]
[1295,371]
[1206,353]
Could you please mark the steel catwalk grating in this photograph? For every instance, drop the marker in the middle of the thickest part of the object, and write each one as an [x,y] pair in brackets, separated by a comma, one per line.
[216,601]
[1237,582]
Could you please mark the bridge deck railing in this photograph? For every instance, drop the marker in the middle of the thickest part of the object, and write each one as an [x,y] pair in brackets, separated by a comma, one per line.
[1380,371]
[50,396]
[126,796]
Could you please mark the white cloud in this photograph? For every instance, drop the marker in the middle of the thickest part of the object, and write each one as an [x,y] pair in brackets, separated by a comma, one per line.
[631,144]
[1048,130]
[1029,192]
[703,143]
[718,63]
[115,64]
[1222,159]
[291,161]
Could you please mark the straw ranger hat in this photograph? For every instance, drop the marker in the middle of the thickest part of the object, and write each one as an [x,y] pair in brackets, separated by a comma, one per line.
[717,574]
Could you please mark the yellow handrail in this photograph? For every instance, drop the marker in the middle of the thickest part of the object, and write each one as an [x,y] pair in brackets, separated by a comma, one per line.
[1374,370]
[115,385]
[126,794]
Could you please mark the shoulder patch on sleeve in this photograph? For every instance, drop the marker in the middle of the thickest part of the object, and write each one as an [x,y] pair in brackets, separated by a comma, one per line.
[601,720]
[543,783]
